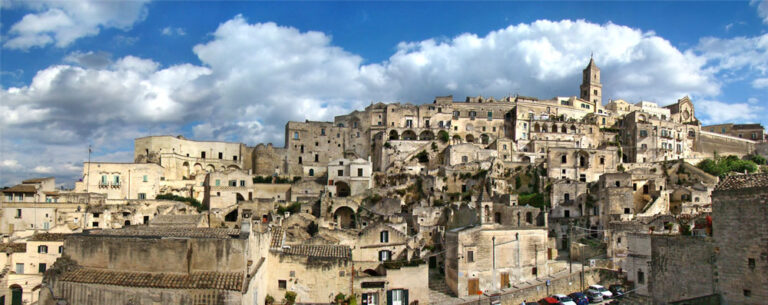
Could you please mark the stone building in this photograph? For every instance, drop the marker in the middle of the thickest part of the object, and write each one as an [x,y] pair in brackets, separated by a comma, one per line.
[121,180]
[183,158]
[224,188]
[154,264]
[754,132]
[740,210]
[349,177]
[27,265]
[585,165]
[31,190]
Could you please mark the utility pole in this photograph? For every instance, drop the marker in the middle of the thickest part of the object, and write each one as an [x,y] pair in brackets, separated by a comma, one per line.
[493,273]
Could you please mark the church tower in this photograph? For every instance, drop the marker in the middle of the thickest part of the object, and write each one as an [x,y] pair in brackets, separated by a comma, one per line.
[591,89]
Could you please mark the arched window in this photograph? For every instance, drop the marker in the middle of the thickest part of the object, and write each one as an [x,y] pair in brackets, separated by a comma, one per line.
[311,172]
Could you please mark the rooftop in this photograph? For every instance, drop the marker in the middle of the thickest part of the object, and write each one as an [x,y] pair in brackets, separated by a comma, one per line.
[277,237]
[164,232]
[13,247]
[49,237]
[36,180]
[21,188]
[322,251]
[743,182]
[195,280]
[190,221]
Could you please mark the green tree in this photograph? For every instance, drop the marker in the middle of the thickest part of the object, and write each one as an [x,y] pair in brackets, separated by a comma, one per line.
[443,136]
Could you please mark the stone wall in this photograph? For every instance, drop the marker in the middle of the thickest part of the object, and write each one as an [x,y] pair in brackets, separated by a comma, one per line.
[94,294]
[709,143]
[682,267]
[741,233]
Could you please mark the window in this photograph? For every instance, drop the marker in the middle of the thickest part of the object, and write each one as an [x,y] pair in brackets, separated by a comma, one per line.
[103,179]
[234,158]
[295,135]
[747,293]
[564,159]
[567,213]
[751,263]
[299,160]
[359,172]
[221,155]
[142,196]
[61,249]
[618,184]
[19,268]
[470,256]
[311,172]
[41,268]
[202,155]
[9,197]
[95,224]
[218,182]
[242,183]
[146,178]
[602,160]
[385,255]
[490,115]
[96,215]
[317,158]
[232,183]
[322,131]
[281,284]
[341,172]
[643,133]
[117,180]
[534,271]
[640,277]
[626,210]
[384,236]
[42,249]
[18,213]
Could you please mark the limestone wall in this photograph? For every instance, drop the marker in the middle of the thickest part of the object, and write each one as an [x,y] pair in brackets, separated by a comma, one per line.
[682,267]
[93,294]
[709,143]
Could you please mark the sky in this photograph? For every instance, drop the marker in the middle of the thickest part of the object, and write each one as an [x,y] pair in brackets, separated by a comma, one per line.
[75,74]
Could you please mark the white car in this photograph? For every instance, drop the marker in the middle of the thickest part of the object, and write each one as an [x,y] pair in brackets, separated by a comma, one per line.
[607,294]
[564,299]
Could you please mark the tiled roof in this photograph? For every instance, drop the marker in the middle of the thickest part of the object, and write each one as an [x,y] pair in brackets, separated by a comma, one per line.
[176,220]
[324,251]
[36,180]
[21,188]
[277,237]
[195,280]
[13,247]
[139,231]
[49,237]
[741,182]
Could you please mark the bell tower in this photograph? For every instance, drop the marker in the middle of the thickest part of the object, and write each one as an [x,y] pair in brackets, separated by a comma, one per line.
[591,89]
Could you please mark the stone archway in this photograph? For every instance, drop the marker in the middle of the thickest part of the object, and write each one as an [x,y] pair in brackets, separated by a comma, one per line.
[426,135]
[185,170]
[409,135]
[485,139]
[16,294]
[393,135]
[239,197]
[345,217]
[209,168]
[342,189]
[470,138]
[198,168]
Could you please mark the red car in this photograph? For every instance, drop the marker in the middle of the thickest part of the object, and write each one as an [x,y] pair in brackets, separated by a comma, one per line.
[549,301]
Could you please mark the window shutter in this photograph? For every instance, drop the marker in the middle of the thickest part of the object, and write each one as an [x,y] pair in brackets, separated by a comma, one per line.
[389,296]
[405,296]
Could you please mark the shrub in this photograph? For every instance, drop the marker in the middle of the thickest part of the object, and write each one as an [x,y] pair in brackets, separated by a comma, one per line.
[290,297]
[757,159]
[269,300]
[721,166]
[423,156]
[191,201]
[387,145]
[293,208]
[434,146]
[443,136]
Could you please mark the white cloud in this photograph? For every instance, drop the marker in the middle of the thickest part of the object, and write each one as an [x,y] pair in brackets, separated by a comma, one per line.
[255,77]
[760,83]
[171,31]
[10,164]
[762,9]
[42,169]
[718,112]
[62,22]
[733,54]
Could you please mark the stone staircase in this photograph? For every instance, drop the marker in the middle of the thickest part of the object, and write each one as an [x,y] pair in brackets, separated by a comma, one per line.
[634,299]
[439,293]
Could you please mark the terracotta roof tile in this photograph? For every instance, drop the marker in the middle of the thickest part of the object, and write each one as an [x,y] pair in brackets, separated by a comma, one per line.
[13,247]
[176,220]
[741,182]
[324,251]
[140,231]
[277,237]
[49,237]
[195,280]
[21,188]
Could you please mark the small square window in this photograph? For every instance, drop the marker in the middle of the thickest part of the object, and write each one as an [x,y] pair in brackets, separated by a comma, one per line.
[282,284]
[751,263]
[293,273]
[341,273]
[747,293]
[626,210]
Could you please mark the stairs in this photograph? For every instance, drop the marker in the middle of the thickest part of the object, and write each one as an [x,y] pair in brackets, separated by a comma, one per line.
[439,293]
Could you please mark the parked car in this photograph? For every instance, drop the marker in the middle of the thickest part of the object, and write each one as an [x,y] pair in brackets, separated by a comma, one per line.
[594,296]
[617,290]
[607,294]
[564,299]
[579,298]
[549,301]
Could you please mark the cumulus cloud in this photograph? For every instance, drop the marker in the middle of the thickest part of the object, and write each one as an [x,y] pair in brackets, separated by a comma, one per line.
[718,112]
[762,9]
[171,31]
[760,83]
[254,77]
[734,54]
[62,22]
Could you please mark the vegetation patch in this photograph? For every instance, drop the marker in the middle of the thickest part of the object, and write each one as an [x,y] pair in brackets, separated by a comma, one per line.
[191,201]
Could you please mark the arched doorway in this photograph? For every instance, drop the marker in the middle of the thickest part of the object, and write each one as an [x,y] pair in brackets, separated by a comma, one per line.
[210,168]
[239,198]
[342,189]
[484,138]
[456,139]
[198,168]
[393,135]
[426,135]
[409,135]
[470,138]
[185,170]
[16,293]
[345,217]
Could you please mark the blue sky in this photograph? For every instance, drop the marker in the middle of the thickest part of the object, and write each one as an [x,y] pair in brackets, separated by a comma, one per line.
[102,73]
